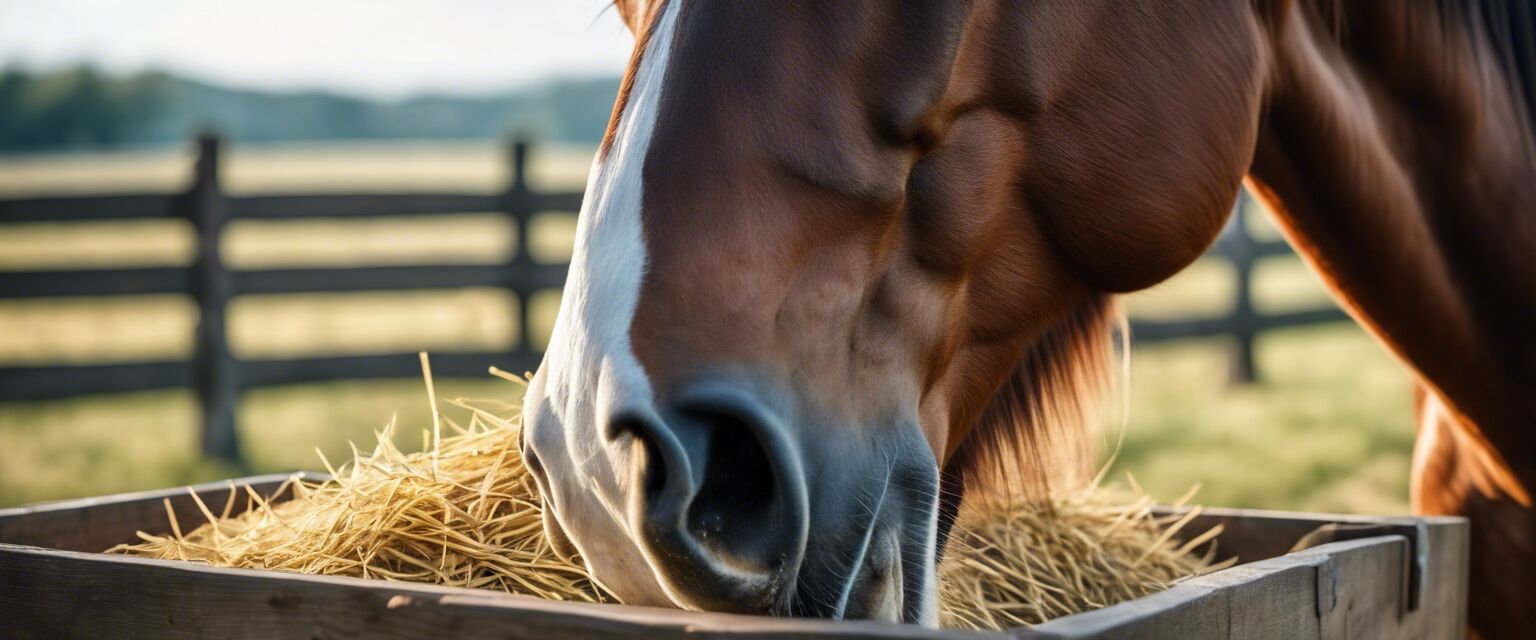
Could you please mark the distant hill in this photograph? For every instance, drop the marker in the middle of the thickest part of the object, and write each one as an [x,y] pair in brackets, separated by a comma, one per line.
[84,109]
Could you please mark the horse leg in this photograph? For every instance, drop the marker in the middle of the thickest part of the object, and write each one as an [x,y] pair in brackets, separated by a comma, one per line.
[1452,475]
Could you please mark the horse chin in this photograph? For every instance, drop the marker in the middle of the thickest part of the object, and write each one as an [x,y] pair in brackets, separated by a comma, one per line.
[872,551]
[893,584]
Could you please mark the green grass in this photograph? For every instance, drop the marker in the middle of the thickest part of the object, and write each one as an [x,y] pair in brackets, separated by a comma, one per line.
[1329,428]
[135,441]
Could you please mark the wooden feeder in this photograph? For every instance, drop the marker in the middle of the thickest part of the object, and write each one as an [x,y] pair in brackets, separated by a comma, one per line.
[1384,577]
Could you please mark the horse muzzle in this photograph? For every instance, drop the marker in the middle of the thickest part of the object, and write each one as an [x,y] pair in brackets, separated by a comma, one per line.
[739,510]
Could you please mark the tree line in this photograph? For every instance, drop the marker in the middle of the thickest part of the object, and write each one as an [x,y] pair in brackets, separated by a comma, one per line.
[83,108]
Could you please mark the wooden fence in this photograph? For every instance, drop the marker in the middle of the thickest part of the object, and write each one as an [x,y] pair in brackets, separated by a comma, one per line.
[213,371]
[219,377]
[1243,323]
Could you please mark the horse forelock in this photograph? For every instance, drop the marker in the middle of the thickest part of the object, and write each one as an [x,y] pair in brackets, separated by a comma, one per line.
[642,18]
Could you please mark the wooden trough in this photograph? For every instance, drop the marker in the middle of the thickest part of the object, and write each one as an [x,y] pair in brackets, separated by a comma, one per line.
[1387,577]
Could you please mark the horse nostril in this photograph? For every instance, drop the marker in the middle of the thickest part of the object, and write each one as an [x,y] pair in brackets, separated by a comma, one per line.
[653,466]
[718,500]
[736,496]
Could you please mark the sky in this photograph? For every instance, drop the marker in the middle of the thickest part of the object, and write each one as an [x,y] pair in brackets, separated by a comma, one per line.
[377,48]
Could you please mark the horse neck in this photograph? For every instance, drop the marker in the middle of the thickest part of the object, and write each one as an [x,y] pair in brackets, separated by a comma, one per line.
[1397,159]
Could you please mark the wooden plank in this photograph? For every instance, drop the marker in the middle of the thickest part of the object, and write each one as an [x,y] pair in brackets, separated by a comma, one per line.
[470,365]
[1255,534]
[62,594]
[1349,589]
[102,207]
[272,207]
[1343,589]
[1260,534]
[162,280]
[1442,606]
[399,278]
[66,381]
[542,202]
[1287,319]
[19,384]
[215,374]
[1272,595]
[1226,247]
[95,524]
[1243,367]
[95,282]
[1159,331]
[1327,591]
[361,205]
[1275,598]
[1355,592]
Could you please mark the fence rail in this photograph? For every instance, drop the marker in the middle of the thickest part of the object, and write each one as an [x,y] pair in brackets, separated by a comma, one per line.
[219,377]
[1243,323]
[213,371]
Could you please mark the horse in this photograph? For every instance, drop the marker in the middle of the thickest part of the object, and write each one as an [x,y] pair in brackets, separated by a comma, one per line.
[844,266]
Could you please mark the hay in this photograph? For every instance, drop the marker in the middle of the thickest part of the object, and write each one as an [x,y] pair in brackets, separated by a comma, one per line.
[465,513]
[1022,563]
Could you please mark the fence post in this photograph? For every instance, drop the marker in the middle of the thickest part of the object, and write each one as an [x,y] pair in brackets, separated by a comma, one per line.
[520,205]
[214,368]
[1244,321]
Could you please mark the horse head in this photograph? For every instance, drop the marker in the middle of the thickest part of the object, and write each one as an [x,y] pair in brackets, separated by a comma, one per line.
[840,263]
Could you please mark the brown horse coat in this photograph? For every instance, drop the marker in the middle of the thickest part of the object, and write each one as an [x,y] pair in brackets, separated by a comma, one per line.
[836,251]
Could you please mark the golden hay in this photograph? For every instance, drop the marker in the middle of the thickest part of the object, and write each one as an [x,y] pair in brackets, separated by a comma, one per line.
[465,513]
[1022,563]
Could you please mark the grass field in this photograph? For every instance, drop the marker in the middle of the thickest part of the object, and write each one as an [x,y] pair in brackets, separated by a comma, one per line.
[1329,428]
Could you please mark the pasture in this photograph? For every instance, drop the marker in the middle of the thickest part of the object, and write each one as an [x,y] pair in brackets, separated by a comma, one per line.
[1328,428]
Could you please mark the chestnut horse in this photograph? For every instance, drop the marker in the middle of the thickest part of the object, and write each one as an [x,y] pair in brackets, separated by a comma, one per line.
[839,259]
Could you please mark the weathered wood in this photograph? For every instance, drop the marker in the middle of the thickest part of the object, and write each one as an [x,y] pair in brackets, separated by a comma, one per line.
[1256,534]
[61,594]
[63,381]
[259,373]
[1161,331]
[1243,368]
[215,373]
[96,282]
[360,205]
[163,280]
[20,384]
[102,207]
[1348,589]
[1345,589]
[398,278]
[1257,249]
[542,202]
[95,524]
[522,257]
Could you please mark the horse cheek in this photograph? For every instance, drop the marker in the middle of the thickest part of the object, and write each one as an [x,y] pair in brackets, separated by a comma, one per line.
[1126,212]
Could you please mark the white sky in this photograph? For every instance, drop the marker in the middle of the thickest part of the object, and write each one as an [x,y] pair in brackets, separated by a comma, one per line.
[386,48]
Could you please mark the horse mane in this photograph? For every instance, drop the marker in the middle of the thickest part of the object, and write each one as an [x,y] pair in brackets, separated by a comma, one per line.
[1508,27]
[1036,430]
[630,13]
[1511,29]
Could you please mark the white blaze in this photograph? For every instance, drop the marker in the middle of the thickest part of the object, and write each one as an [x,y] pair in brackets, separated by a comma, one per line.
[590,369]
